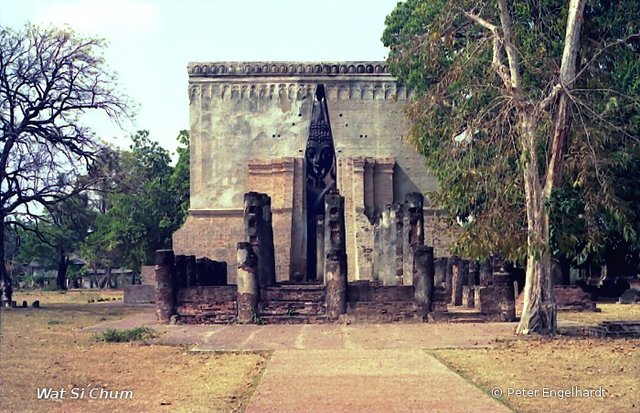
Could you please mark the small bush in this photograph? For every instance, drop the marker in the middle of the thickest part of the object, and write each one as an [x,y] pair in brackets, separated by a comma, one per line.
[126,336]
[53,322]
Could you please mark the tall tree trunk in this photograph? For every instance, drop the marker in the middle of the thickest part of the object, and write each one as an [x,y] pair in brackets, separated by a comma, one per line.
[6,290]
[539,310]
[63,265]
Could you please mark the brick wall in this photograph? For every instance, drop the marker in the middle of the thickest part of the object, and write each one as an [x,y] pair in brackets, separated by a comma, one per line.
[207,305]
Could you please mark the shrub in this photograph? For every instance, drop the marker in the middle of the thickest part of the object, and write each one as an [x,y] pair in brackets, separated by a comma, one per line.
[128,335]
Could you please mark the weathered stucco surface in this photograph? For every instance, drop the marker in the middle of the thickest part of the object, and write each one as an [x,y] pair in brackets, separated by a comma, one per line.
[241,112]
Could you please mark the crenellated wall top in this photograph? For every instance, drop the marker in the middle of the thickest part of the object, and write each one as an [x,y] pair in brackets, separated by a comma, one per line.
[288,69]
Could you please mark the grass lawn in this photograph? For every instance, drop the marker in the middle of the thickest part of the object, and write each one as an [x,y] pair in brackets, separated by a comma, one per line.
[537,363]
[42,348]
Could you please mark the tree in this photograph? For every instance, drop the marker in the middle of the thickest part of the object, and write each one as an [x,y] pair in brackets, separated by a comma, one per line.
[53,243]
[48,79]
[499,88]
[147,203]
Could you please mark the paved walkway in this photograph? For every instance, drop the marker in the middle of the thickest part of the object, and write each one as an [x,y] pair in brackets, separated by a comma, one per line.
[348,368]
[365,381]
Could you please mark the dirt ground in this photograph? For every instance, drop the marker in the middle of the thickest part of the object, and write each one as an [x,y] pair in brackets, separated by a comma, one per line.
[519,368]
[43,349]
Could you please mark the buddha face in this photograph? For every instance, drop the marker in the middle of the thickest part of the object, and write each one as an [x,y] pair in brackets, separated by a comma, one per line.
[319,158]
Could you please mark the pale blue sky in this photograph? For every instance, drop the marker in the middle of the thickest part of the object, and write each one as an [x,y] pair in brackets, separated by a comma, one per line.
[151,42]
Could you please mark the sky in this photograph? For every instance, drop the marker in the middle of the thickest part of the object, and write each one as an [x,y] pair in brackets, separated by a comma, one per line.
[151,42]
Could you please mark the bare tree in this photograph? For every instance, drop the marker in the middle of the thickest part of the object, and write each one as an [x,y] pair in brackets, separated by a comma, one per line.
[48,79]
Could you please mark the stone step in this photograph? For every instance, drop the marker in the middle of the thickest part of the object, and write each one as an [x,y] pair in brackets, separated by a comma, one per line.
[293,319]
[459,317]
[277,308]
[293,292]
[382,312]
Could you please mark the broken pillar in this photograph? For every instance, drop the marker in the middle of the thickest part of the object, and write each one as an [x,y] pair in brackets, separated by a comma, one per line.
[377,247]
[259,233]
[396,246]
[504,295]
[459,278]
[247,281]
[269,256]
[486,273]
[412,231]
[165,285]
[440,270]
[423,273]
[334,226]
[336,281]
[320,248]
[452,263]
[474,273]
[468,298]
[334,229]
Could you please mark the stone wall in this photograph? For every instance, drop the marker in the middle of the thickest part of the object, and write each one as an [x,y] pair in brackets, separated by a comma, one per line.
[139,294]
[249,127]
[207,305]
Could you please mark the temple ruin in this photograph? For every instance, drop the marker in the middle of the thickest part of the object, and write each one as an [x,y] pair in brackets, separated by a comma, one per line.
[307,205]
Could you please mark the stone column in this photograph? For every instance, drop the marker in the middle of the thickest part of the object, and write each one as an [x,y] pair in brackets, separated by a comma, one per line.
[474,271]
[320,248]
[269,258]
[165,286]
[460,277]
[440,270]
[336,280]
[486,273]
[396,246]
[423,273]
[413,231]
[335,267]
[259,233]
[247,280]
[505,295]
[334,229]
[464,271]
[452,263]
[377,247]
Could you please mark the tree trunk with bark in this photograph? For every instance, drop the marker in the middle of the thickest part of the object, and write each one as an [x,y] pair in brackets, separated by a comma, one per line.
[6,289]
[63,265]
[539,309]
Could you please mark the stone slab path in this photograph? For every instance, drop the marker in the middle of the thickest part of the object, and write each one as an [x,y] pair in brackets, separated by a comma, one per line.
[369,381]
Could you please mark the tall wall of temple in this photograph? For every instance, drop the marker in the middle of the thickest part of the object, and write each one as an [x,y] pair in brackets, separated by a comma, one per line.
[249,128]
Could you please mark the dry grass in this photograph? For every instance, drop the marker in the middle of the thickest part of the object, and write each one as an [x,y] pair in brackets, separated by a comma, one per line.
[42,348]
[608,312]
[556,364]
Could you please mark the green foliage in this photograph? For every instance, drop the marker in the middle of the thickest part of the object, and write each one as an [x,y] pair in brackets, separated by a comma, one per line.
[147,203]
[466,126]
[126,336]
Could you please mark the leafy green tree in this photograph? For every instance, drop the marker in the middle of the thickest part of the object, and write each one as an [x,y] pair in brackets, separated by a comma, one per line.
[147,204]
[48,79]
[52,243]
[509,100]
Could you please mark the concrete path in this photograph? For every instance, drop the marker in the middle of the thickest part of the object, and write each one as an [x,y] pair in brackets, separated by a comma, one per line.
[369,381]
